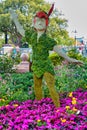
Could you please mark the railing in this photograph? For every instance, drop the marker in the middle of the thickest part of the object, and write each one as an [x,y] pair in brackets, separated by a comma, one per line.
[25,50]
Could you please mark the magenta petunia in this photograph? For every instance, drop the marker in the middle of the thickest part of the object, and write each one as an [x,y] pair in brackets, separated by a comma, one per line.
[43,115]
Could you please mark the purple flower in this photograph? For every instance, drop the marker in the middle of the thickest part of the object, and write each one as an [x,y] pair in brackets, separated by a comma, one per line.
[41,115]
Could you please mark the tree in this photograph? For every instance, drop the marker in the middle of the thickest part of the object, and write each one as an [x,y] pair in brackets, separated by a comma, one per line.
[6,25]
[26,10]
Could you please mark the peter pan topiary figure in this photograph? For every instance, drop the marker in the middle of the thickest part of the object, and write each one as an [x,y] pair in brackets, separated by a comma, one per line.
[41,45]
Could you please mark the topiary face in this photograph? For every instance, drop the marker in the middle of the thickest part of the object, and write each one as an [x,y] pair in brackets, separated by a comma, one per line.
[39,23]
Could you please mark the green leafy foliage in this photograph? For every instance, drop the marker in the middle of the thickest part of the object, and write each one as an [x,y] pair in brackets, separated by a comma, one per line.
[41,123]
[71,77]
[76,55]
[16,58]
[56,59]
[1,42]
[14,86]
[6,64]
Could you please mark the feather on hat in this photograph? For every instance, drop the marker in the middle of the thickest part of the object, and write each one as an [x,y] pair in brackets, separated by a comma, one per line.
[42,14]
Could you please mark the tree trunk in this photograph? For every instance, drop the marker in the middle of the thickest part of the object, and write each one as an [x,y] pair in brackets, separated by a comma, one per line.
[6,38]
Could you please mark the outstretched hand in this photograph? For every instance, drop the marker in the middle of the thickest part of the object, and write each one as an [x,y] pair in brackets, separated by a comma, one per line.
[74,61]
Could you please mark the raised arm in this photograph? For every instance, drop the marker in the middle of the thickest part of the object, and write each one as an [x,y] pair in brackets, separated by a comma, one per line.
[19,27]
[61,53]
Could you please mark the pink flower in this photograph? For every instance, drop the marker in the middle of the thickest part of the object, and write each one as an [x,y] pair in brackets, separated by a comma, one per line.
[41,115]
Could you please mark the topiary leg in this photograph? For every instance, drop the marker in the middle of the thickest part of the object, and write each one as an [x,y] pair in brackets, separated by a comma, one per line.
[49,78]
[38,87]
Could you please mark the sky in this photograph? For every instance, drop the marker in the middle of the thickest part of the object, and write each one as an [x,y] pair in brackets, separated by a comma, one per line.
[75,11]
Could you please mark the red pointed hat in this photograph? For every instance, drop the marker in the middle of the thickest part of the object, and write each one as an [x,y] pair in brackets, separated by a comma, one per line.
[42,14]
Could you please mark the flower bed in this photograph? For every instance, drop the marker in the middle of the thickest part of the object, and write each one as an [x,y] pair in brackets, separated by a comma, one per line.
[43,115]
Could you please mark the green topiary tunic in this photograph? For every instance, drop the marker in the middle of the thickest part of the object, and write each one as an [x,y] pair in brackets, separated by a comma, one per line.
[41,62]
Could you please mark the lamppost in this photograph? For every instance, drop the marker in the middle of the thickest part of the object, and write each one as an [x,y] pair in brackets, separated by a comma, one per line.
[75,32]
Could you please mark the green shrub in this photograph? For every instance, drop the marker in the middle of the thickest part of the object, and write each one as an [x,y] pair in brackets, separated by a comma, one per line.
[1,42]
[74,54]
[16,86]
[6,64]
[16,58]
[71,77]
[56,59]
